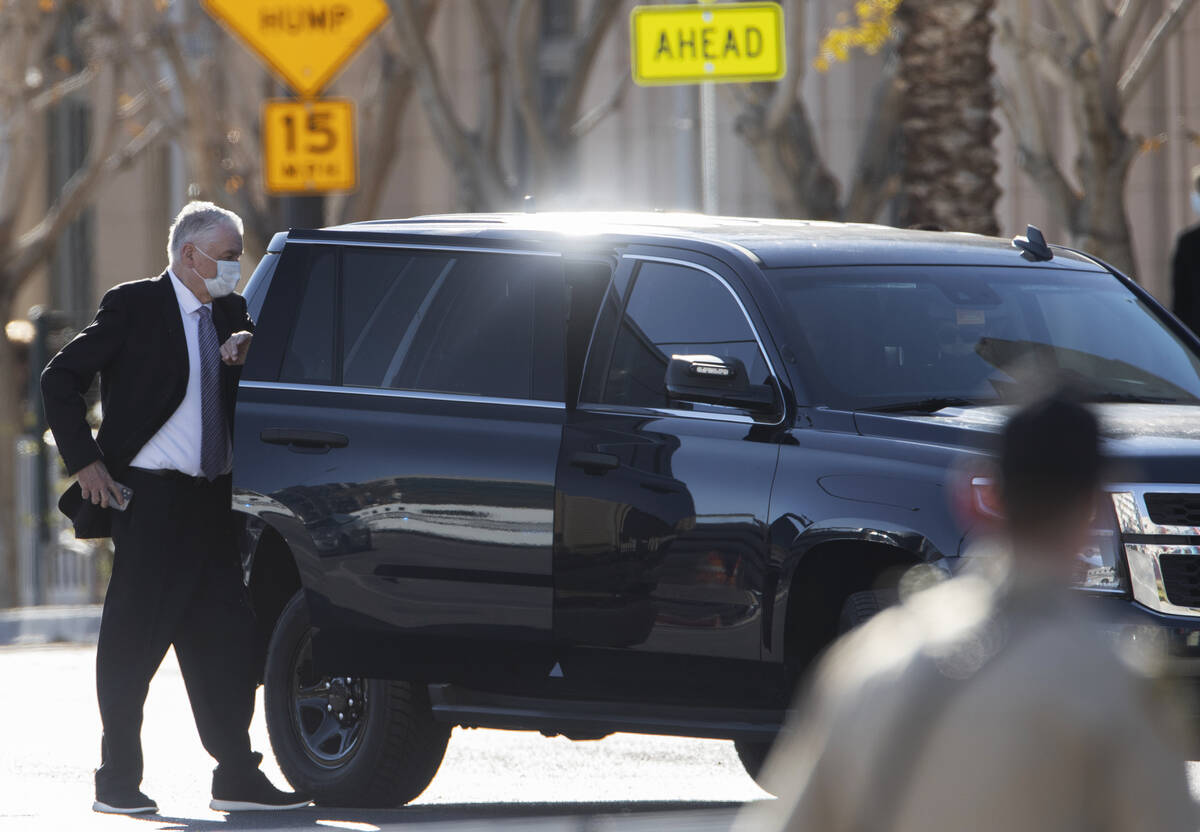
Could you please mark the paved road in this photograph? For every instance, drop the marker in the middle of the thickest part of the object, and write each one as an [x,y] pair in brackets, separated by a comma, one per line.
[490,779]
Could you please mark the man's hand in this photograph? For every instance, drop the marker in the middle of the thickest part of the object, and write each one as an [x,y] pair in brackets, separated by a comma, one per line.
[97,486]
[233,351]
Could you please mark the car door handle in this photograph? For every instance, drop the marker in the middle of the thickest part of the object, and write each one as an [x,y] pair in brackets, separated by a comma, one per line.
[593,463]
[304,441]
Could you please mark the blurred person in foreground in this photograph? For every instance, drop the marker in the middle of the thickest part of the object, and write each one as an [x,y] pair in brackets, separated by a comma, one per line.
[993,701]
[169,351]
[1185,266]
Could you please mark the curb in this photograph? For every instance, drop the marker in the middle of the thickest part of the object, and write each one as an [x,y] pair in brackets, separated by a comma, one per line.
[45,625]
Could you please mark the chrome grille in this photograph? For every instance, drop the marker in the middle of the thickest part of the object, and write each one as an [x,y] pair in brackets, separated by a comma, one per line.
[1174,509]
[1181,579]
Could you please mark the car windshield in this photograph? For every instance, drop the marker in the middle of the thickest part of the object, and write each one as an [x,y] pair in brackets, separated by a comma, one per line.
[924,338]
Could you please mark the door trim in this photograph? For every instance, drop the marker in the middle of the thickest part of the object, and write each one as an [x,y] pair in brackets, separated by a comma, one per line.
[399,394]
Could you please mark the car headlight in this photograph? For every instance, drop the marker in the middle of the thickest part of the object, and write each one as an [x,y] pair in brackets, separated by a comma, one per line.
[1099,565]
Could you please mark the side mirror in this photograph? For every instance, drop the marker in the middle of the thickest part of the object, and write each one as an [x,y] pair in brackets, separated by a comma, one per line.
[710,379]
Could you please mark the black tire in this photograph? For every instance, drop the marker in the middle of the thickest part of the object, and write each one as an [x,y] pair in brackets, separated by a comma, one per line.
[861,607]
[346,741]
[858,608]
[753,755]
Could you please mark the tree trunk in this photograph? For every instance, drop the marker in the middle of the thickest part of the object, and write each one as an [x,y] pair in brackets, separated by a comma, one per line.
[10,430]
[1099,223]
[802,187]
[949,162]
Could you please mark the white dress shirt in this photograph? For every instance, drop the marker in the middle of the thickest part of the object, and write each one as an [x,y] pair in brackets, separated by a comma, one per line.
[177,443]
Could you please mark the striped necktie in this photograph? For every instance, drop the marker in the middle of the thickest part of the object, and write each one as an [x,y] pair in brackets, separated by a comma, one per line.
[214,441]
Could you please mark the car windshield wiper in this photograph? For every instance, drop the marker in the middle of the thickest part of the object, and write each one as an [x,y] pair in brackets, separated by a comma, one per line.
[930,405]
[1104,397]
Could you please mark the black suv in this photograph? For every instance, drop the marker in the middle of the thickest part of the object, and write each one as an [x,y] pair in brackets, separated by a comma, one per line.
[593,473]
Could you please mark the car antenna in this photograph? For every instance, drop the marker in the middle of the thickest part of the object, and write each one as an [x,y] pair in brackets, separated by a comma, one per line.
[530,206]
[1033,244]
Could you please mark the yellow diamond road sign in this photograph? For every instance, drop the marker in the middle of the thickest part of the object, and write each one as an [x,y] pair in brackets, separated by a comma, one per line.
[733,42]
[308,146]
[305,42]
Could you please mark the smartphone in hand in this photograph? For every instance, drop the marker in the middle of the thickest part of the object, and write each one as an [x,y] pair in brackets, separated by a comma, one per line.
[120,496]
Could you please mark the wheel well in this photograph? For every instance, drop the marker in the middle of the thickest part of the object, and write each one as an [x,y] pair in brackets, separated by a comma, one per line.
[274,579]
[825,577]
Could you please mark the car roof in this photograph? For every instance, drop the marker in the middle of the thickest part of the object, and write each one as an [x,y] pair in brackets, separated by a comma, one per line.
[774,243]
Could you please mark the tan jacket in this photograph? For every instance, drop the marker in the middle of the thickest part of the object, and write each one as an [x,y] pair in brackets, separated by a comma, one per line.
[979,706]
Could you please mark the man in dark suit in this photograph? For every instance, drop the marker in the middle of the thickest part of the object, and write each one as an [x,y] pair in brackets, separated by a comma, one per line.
[156,477]
[1185,266]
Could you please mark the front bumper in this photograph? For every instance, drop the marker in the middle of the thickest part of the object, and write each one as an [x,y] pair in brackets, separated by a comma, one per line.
[1176,638]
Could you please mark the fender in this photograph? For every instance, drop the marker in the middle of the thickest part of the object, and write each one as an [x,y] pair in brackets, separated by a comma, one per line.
[259,512]
[794,539]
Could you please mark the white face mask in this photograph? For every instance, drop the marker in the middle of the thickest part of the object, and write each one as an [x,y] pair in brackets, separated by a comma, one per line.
[229,272]
[1196,203]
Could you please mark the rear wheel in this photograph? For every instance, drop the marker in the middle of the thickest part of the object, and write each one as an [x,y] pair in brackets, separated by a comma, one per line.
[344,740]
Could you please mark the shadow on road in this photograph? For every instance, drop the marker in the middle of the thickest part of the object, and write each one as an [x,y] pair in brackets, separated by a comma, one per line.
[324,818]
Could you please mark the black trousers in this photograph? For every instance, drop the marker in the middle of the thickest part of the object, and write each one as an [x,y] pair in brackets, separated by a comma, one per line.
[176,580]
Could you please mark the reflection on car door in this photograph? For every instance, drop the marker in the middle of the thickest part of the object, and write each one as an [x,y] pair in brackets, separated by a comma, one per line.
[663,505]
[432,523]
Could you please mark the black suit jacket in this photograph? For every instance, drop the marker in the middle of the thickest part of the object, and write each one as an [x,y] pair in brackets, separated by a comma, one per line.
[1185,277]
[136,344]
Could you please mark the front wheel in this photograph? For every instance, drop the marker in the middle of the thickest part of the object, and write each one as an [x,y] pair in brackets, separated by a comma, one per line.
[344,740]
[858,608]
[753,755]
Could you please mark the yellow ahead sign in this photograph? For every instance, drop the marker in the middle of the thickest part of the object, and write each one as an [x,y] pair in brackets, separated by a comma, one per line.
[305,42]
[716,42]
[308,146]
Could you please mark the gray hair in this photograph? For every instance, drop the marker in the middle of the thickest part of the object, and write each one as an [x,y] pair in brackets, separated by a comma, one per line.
[195,221]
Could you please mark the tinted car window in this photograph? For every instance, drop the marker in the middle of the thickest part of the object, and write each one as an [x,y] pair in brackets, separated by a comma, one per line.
[444,322]
[674,310]
[596,371]
[384,291]
[308,356]
[873,337]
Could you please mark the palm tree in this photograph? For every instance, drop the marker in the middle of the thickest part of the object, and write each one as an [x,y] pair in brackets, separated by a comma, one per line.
[948,161]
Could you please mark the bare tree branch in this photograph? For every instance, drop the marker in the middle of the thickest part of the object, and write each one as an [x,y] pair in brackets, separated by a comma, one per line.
[60,90]
[1071,24]
[390,99]
[586,48]
[1090,14]
[1143,63]
[35,245]
[588,121]
[1127,16]
[1047,47]
[156,88]
[876,179]
[787,88]
[522,32]
[1031,127]
[450,133]
[492,104]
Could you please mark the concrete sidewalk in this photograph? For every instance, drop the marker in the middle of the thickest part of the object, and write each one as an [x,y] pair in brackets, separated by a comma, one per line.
[43,625]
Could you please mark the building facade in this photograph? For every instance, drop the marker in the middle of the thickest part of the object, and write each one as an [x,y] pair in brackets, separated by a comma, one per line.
[674,148]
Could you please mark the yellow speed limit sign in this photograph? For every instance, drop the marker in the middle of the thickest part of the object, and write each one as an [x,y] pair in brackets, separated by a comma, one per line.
[308,146]
[732,42]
